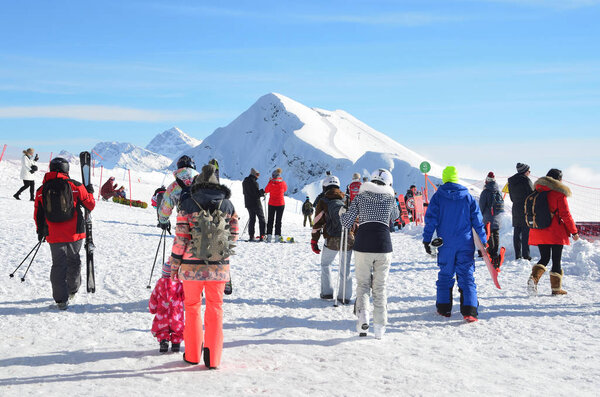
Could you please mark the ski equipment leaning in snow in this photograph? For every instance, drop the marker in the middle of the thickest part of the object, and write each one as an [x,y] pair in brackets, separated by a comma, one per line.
[202,275]
[65,238]
[85,161]
[375,207]
[452,214]
[327,222]
[552,239]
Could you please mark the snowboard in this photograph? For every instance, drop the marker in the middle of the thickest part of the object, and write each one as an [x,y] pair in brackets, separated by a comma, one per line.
[85,161]
[134,203]
[486,258]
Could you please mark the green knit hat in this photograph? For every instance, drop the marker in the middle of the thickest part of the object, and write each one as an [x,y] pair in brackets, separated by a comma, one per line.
[450,174]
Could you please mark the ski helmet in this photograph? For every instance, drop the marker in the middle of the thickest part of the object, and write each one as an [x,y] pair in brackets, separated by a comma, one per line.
[59,164]
[382,175]
[186,162]
[331,180]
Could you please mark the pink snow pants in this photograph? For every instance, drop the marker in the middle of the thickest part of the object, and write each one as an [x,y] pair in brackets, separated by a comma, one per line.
[193,335]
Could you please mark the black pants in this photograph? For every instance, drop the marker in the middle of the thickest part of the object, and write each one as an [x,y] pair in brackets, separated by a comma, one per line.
[65,273]
[275,214]
[254,213]
[493,243]
[31,186]
[554,250]
[521,242]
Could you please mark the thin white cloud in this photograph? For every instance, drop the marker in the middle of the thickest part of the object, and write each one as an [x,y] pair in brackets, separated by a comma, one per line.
[101,113]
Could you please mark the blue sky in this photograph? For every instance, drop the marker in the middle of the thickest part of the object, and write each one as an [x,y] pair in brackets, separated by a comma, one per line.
[480,84]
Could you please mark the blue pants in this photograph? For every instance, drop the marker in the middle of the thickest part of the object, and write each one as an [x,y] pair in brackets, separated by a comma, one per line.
[459,261]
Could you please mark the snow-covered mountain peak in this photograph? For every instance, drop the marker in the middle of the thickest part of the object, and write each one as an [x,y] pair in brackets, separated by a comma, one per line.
[172,142]
[129,156]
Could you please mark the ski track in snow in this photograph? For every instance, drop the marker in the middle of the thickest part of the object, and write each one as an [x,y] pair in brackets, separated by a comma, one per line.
[280,338]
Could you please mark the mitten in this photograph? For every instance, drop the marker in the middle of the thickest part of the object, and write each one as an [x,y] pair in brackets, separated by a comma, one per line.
[427,247]
[315,247]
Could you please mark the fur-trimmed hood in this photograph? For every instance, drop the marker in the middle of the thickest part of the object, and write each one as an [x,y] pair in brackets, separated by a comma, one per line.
[375,188]
[552,184]
[211,186]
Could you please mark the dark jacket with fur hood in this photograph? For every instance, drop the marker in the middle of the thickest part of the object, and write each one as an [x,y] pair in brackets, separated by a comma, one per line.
[562,225]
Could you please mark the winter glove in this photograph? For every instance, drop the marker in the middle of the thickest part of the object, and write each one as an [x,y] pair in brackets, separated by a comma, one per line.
[315,247]
[261,192]
[165,226]
[90,188]
[427,247]
[31,171]
[36,158]
[42,233]
[34,168]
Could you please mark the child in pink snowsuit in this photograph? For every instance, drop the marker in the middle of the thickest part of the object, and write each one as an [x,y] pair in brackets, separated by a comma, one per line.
[166,302]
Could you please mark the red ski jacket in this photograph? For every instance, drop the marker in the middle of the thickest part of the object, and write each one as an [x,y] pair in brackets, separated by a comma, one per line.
[73,229]
[276,188]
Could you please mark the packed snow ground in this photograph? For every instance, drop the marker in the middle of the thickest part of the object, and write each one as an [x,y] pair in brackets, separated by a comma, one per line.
[280,338]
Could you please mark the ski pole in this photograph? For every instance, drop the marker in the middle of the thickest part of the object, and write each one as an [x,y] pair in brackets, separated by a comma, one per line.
[345,251]
[24,259]
[155,256]
[245,227]
[32,258]
[337,283]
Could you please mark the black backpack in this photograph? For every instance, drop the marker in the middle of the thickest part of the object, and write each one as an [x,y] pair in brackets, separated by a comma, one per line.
[537,211]
[333,226]
[497,203]
[57,200]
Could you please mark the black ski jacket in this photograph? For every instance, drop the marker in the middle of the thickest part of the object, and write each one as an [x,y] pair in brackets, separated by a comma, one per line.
[519,187]
[252,193]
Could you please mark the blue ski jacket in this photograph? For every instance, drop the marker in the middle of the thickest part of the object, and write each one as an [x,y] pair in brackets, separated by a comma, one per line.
[452,212]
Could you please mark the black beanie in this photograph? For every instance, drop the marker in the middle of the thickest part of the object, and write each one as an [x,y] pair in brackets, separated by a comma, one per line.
[555,173]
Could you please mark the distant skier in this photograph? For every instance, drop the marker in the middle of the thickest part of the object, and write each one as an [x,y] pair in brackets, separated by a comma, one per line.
[375,208]
[327,222]
[204,275]
[307,211]
[184,176]
[58,217]
[552,239]
[409,200]
[491,205]
[453,213]
[28,168]
[109,189]
[252,196]
[354,187]
[519,187]
[166,302]
[276,189]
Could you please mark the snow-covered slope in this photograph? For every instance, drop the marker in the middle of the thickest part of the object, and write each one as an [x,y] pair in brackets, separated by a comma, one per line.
[277,131]
[129,156]
[171,143]
[279,337]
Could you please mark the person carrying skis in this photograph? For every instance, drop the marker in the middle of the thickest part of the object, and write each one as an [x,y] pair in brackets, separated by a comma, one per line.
[552,239]
[59,219]
[491,205]
[375,208]
[519,187]
[184,176]
[252,195]
[453,213]
[354,187]
[276,189]
[307,211]
[327,222]
[166,302]
[28,168]
[109,190]
[204,274]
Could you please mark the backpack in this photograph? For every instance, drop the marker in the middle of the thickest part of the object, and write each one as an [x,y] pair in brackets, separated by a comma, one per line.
[57,200]
[537,211]
[211,238]
[497,203]
[307,208]
[333,225]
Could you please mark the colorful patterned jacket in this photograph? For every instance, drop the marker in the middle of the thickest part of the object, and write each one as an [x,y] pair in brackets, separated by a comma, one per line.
[166,302]
[183,262]
[173,193]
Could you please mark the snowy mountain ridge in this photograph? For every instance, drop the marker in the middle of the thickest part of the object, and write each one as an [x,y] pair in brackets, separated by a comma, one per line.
[129,156]
[172,142]
[278,132]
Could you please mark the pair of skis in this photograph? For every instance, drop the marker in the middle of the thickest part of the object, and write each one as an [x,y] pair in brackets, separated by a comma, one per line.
[343,265]
[85,161]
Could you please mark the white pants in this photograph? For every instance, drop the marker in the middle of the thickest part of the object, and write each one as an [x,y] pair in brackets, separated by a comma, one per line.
[327,258]
[378,264]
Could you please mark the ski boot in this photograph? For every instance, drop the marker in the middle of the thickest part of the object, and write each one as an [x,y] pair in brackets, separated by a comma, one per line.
[175,347]
[378,331]
[362,324]
[164,346]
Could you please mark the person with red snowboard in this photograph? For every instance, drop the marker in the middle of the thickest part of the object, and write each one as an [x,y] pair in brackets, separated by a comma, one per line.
[491,204]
